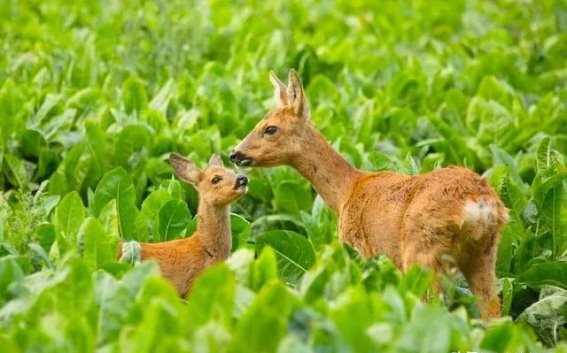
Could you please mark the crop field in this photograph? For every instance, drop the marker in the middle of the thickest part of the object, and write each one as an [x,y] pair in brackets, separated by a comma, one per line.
[95,95]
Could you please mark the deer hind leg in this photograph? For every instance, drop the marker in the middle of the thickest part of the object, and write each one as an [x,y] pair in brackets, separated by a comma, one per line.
[479,268]
[429,260]
[427,252]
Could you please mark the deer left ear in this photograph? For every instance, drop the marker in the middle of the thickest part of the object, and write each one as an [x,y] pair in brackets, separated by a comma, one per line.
[280,90]
[185,169]
[296,95]
[215,161]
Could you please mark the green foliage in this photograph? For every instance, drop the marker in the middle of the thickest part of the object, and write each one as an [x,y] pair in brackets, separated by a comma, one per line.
[95,95]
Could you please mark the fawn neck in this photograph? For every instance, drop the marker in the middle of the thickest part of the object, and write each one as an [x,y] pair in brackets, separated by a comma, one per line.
[214,230]
[329,173]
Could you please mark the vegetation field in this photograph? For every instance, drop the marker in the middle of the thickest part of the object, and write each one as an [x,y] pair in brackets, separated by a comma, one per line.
[94,95]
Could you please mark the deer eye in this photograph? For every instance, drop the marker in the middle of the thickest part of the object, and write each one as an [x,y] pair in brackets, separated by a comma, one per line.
[270,130]
[216,179]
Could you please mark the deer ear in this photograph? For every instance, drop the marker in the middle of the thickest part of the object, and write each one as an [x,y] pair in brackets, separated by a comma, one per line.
[184,169]
[296,96]
[215,161]
[280,90]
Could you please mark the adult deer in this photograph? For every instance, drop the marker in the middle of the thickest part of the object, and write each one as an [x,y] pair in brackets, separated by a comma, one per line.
[182,260]
[412,219]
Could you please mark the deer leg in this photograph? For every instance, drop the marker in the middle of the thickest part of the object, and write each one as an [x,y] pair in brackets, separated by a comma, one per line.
[480,272]
[427,258]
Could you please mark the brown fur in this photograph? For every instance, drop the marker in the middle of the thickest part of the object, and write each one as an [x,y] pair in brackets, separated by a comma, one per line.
[181,261]
[412,219]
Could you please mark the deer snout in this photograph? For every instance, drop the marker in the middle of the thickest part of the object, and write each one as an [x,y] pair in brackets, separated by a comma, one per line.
[241,180]
[240,159]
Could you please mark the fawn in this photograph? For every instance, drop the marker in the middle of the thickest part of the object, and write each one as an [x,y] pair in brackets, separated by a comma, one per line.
[181,260]
[412,219]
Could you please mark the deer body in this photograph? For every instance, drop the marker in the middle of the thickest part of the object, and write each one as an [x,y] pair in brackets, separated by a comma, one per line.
[412,219]
[181,261]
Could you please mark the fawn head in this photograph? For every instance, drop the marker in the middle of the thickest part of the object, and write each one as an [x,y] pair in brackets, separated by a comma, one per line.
[283,132]
[216,184]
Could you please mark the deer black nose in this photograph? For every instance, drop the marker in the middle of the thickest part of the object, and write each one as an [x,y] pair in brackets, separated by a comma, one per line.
[236,156]
[240,159]
[241,180]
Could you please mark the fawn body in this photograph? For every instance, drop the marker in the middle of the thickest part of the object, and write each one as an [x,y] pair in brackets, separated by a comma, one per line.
[412,219]
[182,260]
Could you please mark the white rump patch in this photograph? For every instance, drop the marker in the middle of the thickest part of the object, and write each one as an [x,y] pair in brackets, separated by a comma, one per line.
[479,211]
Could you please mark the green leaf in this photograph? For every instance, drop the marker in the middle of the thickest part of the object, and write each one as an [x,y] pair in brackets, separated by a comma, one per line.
[69,215]
[294,252]
[265,322]
[212,297]
[264,269]
[173,219]
[552,273]
[117,185]
[416,280]
[241,230]
[543,154]
[134,95]
[292,196]
[10,274]
[16,172]
[99,247]
[547,316]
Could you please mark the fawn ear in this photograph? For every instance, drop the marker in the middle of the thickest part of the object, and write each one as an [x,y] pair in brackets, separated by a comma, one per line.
[296,96]
[215,161]
[280,90]
[185,169]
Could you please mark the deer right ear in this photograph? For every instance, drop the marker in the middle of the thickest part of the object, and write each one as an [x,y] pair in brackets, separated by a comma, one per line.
[280,90]
[296,95]
[185,169]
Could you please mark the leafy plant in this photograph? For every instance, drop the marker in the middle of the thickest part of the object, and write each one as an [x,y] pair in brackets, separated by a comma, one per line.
[95,95]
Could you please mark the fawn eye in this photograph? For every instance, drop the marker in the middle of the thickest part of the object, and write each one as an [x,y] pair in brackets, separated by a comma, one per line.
[270,130]
[216,179]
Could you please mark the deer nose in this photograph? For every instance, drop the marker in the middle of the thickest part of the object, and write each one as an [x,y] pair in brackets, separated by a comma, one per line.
[236,156]
[241,180]
[240,159]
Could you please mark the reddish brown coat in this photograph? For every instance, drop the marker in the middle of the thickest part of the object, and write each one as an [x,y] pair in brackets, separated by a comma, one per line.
[181,261]
[412,219]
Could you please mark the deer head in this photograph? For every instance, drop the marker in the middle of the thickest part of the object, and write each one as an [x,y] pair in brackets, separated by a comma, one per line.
[283,133]
[216,184]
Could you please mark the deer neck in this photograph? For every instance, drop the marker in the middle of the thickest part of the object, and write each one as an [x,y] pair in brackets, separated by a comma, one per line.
[329,173]
[214,230]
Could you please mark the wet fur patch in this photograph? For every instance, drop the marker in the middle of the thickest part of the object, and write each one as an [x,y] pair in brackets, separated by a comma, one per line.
[131,252]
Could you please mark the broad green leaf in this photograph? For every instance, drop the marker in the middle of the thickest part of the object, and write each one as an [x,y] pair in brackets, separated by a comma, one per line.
[173,219]
[264,269]
[134,95]
[69,216]
[552,273]
[292,197]
[117,185]
[265,322]
[547,316]
[294,252]
[160,101]
[508,337]
[10,273]
[16,172]
[99,247]
[111,298]
[212,297]
[241,230]
[416,280]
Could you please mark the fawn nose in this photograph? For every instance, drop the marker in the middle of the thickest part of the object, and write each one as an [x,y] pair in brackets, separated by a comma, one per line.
[241,180]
